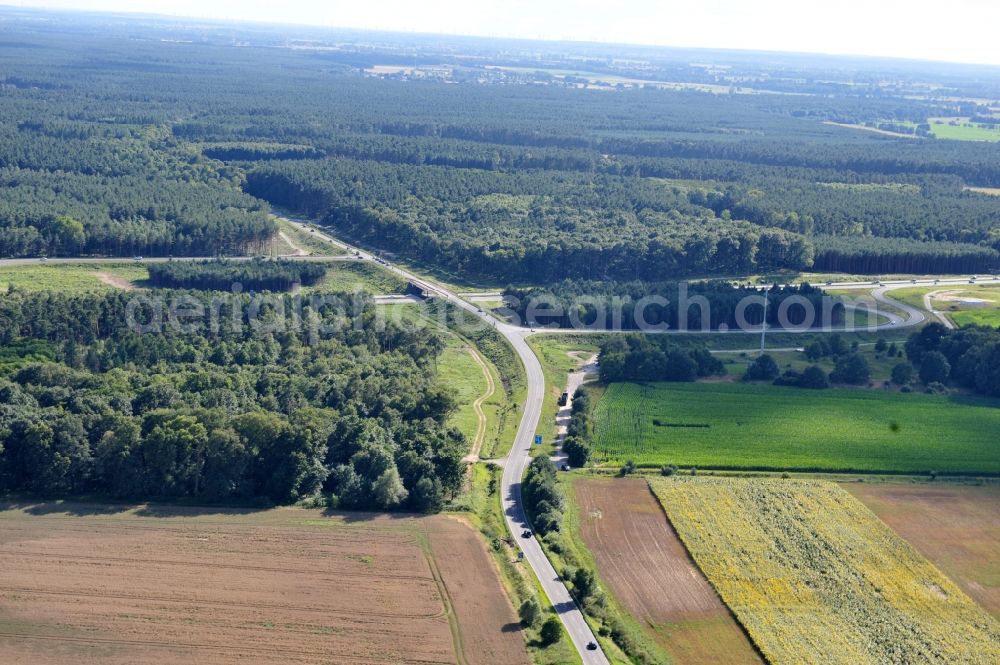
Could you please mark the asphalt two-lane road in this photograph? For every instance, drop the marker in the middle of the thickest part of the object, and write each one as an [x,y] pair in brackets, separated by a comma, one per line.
[516,464]
[517,461]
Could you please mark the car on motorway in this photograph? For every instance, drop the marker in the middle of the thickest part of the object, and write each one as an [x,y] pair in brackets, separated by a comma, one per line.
[526,533]
[591,646]
[137,258]
[44,259]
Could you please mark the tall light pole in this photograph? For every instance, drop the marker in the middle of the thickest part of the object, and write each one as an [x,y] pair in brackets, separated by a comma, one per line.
[763,325]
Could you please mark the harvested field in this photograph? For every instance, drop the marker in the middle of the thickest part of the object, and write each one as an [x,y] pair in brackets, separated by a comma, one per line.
[93,584]
[815,577]
[646,567]
[957,527]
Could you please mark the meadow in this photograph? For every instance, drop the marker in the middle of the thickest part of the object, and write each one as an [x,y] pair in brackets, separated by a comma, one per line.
[459,369]
[362,276]
[816,577]
[70,277]
[964,131]
[735,426]
[977,317]
[559,355]
[948,299]
[294,240]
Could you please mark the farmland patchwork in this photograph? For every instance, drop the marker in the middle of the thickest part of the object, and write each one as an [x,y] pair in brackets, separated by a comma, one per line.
[815,577]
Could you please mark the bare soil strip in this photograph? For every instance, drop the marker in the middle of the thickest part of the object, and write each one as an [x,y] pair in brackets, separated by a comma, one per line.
[94,584]
[115,281]
[641,558]
[298,251]
[940,316]
[874,130]
[992,191]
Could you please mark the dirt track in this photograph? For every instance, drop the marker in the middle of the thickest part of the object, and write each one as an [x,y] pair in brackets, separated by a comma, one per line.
[282,586]
[115,281]
[647,568]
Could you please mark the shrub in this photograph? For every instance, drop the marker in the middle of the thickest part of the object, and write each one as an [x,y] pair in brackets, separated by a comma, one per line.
[551,631]
[577,451]
[934,368]
[584,582]
[763,368]
[668,470]
[937,388]
[814,377]
[529,612]
[852,369]
[903,374]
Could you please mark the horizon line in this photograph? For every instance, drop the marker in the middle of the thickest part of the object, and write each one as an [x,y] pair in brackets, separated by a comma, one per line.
[229,21]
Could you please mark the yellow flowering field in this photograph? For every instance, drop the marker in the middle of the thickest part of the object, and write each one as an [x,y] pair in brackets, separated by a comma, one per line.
[816,577]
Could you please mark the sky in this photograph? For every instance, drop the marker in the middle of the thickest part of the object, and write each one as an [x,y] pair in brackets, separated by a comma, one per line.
[953,31]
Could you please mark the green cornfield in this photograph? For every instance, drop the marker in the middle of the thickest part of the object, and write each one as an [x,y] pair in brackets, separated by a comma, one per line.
[738,426]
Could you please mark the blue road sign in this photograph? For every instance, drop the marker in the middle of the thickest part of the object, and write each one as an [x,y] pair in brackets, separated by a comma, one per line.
[538,439]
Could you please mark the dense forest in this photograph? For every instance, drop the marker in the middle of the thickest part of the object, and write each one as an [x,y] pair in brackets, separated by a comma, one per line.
[259,275]
[230,412]
[165,139]
[679,306]
[537,226]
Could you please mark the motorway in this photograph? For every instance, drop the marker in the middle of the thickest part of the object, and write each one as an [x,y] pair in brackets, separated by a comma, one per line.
[519,457]
[162,259]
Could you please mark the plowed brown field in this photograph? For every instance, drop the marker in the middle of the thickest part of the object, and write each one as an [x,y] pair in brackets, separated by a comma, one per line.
[648,570]
[88,584]
[957,527]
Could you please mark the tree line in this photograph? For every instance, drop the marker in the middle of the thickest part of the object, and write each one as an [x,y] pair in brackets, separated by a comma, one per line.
[677,305]
[644,358]
[222,275]
[968,357]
